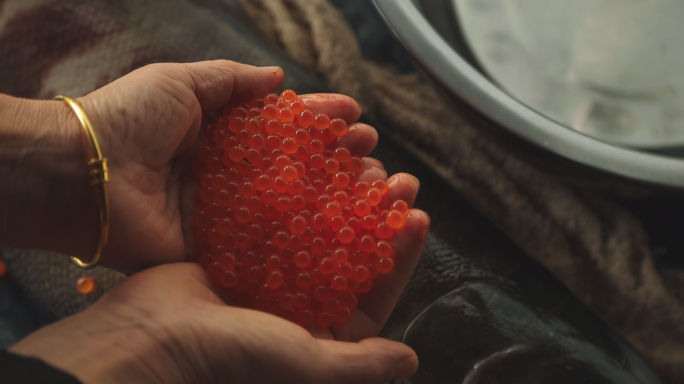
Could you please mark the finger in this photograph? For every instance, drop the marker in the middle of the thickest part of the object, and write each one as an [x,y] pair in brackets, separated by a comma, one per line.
[215,83]
[369,361]
[373,170]
[360,140]
[334,105]
[401,186]
[374,308]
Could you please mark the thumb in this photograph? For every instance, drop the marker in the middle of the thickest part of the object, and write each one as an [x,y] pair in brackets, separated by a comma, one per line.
[373,360]
[215,83]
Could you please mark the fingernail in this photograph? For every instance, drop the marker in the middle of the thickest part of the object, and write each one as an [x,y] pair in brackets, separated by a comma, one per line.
[406,367]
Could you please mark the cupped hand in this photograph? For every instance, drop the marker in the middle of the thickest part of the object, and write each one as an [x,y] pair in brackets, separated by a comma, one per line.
[148,123]
[169,324]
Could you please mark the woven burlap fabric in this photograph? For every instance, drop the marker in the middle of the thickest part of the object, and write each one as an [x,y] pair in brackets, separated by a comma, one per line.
[592,244]
[597,248]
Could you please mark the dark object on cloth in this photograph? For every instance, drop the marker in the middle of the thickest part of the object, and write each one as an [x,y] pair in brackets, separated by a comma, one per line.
[15,369]
[75,46]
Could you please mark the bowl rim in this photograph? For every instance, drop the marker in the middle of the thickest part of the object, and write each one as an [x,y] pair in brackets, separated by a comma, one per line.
[442,62]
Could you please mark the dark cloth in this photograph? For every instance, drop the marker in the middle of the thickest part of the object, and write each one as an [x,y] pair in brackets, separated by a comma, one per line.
[15,369]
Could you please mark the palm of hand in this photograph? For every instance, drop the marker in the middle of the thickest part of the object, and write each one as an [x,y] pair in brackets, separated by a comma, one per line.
[147,121]
[260,347]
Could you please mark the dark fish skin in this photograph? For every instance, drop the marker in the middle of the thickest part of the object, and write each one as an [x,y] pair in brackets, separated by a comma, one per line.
[478,310]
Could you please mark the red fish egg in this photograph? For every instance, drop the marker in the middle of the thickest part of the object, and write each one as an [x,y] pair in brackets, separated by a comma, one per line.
[342,155]
[253,125]
[340,255]
[339,282]
[274,127]
[274,279]
[317,161]
[395,219]
[298,225]
[236,124]
[281,239]
[356,165]
[297,107]
[316,146]
[338,127]
[271,99]
[355,224]
[257,102]
[383,231]
[325,319]
[298,203]
[303,153]
[289,173]
[269,111]
[342,197]
[332,208]
[327,266]
[319,221]
[238,112]
[283,203]
[361,188]
[303,279]
[288,95]
[280,184]
[254,158]
[341,180]
[304,317]
[367,244]
[346,270]
[253,112]
[286,301]
[346,235]
[302,259]
[219,136]
[306,118]
[225,225]
[321,202]
[256,141]
[243,215]
[401,206]
[369,221]
[262,182]
[246,189]
[321,122]
[236,201]
[337,223]
[380,185]
[383,249]
[282,161]
[361,207]
[237,153]
[285,115]
[273,263]
[373,197]
[288,130]
[331,165]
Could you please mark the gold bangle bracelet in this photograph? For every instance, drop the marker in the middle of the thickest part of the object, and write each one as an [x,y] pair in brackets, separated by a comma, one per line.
[100,177]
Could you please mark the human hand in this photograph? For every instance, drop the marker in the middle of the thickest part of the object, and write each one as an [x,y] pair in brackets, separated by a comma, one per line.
[169,325]
[147,122]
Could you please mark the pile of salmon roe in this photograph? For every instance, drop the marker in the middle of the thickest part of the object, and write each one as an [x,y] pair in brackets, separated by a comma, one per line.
[283,223]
